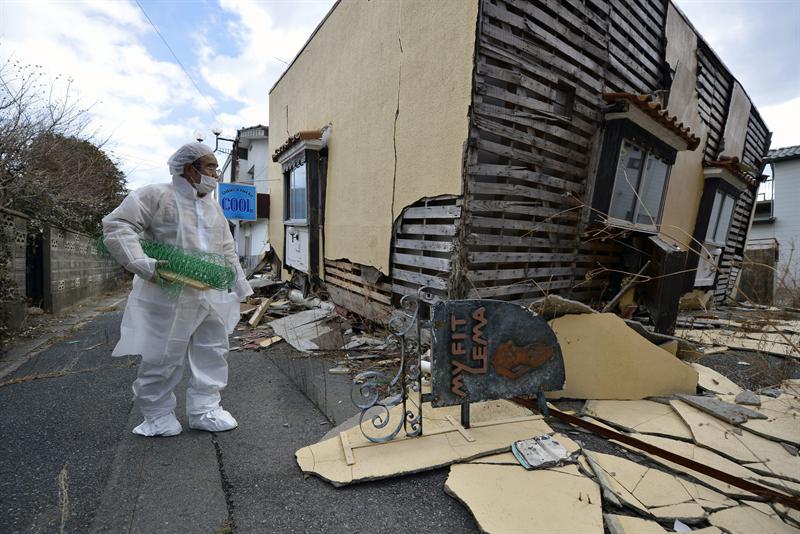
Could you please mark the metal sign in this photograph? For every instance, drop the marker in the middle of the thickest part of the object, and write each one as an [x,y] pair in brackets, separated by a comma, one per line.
[490,349]
[238,201]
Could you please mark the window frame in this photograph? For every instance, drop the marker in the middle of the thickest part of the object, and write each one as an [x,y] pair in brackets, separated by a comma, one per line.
[289,168]
[724,195]
[617,131]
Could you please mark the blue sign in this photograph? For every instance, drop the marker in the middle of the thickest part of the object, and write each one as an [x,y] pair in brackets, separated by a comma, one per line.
[238,201]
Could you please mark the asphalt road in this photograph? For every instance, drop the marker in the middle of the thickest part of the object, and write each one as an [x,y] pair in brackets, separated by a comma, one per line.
[69,461]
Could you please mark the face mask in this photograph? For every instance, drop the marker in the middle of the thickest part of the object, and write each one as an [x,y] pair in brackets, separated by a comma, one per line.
[207,184]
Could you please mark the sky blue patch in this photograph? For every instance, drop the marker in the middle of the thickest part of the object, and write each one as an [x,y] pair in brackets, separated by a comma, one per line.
[238,201]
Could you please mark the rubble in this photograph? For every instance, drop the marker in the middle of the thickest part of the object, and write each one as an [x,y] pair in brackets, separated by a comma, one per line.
[631,379]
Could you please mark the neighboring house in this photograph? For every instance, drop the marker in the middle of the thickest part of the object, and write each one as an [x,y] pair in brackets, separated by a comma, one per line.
[248,163]
[507,149]
[777,221]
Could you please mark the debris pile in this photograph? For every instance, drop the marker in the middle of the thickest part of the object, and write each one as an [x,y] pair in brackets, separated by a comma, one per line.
[637,441]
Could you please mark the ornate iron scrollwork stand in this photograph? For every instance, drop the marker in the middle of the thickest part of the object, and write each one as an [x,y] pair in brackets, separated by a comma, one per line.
[375,394]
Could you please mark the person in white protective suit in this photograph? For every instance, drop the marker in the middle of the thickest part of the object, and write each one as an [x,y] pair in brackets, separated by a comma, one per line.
[170,331]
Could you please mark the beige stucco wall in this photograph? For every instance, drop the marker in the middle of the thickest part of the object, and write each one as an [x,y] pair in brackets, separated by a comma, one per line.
[354,75]
[736,125]
[686,178]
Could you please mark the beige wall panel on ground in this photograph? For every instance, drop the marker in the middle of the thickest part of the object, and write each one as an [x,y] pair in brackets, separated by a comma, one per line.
[507,498]
[606,359]
[353,75]
[686,178]
[736,125]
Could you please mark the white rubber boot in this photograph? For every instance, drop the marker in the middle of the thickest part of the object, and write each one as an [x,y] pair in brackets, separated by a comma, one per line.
[166,425]
[217,420]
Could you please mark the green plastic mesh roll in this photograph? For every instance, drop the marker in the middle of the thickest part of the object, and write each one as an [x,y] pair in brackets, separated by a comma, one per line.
[212,270]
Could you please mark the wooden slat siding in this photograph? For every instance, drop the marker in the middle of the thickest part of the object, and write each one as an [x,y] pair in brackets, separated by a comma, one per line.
[549,133]
[730,260]
[714,88]
[521,173]
[348,289]
[514,224]
[494,276]
[423,246]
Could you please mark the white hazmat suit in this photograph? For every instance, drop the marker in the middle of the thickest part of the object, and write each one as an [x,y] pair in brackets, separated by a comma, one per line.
[167,330]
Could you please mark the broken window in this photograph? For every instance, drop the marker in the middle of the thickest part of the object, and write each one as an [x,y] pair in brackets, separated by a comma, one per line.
[296,189]
[721,215]
[639,185]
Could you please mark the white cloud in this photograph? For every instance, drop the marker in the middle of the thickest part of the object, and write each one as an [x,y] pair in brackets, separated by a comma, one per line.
[132,95]
[265,35]
[783,119]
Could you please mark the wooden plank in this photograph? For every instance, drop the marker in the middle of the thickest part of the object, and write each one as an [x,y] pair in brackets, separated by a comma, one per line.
[521,173]
[545,125]
[528,157]
[360,290]
[522,257]
[517,190]
[524,208]
[430,246]
[375,311]
[532,226]
[424,262]
[496,275]
[419,278]
[432,212]
[260,311]
[492,125]
[519,288]
[381,286]
[519,241]
[428,229]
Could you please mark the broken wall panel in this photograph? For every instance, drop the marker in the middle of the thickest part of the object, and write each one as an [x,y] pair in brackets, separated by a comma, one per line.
[424,247]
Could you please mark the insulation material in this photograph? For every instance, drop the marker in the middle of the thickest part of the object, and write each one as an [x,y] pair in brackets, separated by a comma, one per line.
[558,500]
[495,426]
[758,454]
[748,520]
[605,359]
[644,416]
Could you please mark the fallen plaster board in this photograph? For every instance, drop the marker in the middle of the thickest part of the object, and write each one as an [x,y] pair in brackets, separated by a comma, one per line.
[687,512]
[649,488]
[644,416]
[787,486]
[560,499]
[731,413]
[711,380]
[670,346]
[301,329]
[435,448]
[748,520]
[767,342]
[782,422]
[789,515]
[605,359]
[613,491]
[700,455]
[762,507]
[755,452]
[624,524]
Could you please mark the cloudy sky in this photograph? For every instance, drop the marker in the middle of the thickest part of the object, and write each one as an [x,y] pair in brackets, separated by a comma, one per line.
[234,50]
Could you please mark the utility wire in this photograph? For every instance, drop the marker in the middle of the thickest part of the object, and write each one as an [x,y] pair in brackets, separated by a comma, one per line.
[178,60]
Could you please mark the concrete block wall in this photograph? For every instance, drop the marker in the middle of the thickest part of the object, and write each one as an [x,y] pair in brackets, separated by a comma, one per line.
[73,269]
[14,228]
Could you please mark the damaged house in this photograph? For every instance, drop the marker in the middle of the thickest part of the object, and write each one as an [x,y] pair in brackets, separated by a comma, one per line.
[507,149]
